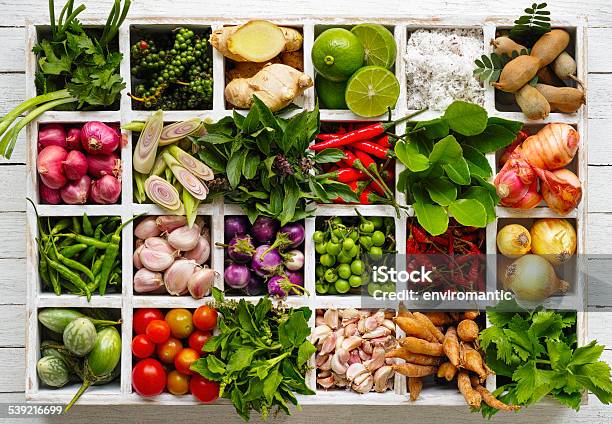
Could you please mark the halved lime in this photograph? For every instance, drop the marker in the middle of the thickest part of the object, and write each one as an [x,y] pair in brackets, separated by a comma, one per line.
[371,90]
[378,44]
[337,53]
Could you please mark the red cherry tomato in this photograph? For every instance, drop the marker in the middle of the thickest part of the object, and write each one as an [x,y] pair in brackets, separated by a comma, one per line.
[142,347]
[205,318]
[184,359]
[168,350]
[148,377]
[142,318]
[198,339]
[158,331]
[178,384]
[180,323]
[204,390]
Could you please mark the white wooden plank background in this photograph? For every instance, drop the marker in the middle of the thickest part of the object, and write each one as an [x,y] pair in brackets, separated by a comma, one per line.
[12,189]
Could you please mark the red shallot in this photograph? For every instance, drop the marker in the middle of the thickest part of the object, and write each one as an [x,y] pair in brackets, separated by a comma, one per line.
[49,166]
[49,195]
[99,138]
[513,181]
[106,190]
[100,165]
[52,135]
[75,165]
[76,192]
[73,139]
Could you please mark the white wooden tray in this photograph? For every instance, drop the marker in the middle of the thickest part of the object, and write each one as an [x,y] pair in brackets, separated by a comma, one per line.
[121,392]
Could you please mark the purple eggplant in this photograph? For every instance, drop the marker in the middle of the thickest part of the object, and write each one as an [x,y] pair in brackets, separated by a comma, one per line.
[266,262]
[237,276]
[255,286]
[281,286]
[240,248]
[235,225]
[264,229]
[294,260]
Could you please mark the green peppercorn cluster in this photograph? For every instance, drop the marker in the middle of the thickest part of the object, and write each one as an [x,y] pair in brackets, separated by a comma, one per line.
[173,71]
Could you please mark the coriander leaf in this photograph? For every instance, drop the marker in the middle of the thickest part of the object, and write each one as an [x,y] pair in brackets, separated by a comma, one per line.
[559,353]
[305,352]
[587,354]
[469,212]
[446,151]
[433,218]
[466,118]
[571,400]
[442,191]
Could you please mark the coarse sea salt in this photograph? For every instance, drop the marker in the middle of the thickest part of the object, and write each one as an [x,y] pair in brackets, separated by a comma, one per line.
[439,65]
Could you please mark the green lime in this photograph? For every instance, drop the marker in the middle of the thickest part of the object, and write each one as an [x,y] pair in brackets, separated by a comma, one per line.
[371,90]
[378,44]
[344,271]
[337,53]
[342,286]
[330,93]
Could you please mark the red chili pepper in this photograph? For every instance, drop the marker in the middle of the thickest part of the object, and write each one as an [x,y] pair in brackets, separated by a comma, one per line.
[376,188]
[373,149]
[327,136]
[419,234]
[412,246]
[366,160]
[360,134]
[364,197]
[383,141]
[347,175]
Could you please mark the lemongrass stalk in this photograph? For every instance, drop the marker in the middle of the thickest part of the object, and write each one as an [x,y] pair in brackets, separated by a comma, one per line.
[10,139]
[8,119]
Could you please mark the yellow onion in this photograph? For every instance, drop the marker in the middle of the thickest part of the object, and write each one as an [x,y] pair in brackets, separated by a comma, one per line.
[531,277]
[513,241]
[554,239]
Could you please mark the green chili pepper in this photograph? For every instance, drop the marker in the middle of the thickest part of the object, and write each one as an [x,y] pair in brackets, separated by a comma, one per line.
[112,251]
[97,220]
[71,276]
[72,288]
[53,274]
[43,266]
[64,243]
[114,279]
[88,255]
[75,265]
[90,241]
[71,251]
[61,225]
[87,227]
[76,225]
[97,265]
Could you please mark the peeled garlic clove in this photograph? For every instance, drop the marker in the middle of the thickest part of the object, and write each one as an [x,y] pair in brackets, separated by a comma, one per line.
[168,223]
[379,316]
[355,370]
[160,244]
[200,253]
[349,313]
[184,238]
[378,359]
[364,356]
[319,320]
[351,343]
[339,361]
[371,323]
[176,278]
[326,382]
[350,330]
[331,318]
[136,257]
[146,281]
[365,385]
[147,228]
[321,359]
[320,333]
[361,326]
[378,332]
[354,357]
[381,378]
[155,260]
[387,323]
[201,282]
[326,366]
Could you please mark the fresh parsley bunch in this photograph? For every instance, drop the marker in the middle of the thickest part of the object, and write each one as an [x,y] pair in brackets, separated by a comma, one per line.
[260,355]
[266,166]
[538,353]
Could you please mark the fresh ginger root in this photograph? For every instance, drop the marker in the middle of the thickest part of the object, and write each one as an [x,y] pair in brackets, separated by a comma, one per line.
[276,85]
[247,69]
[295,59]
[220,40]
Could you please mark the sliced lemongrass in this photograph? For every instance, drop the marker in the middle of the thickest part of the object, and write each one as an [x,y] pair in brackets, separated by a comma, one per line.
[190,182]
[179,130]
[162,193]
[196,167]
[146,148]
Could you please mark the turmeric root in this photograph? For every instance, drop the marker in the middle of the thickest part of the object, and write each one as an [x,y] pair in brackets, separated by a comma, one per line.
[414,358]
[403,311]
[412,327]
[467,330]
[492,401]
[423,319]
[471,396]
[562,99]
[451,346]
[447,371]
[247,69]
[294,59]
[415,385]
[414,345]
[439,318]
[471,360]
[220,39]
[276,85]
[414,370]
